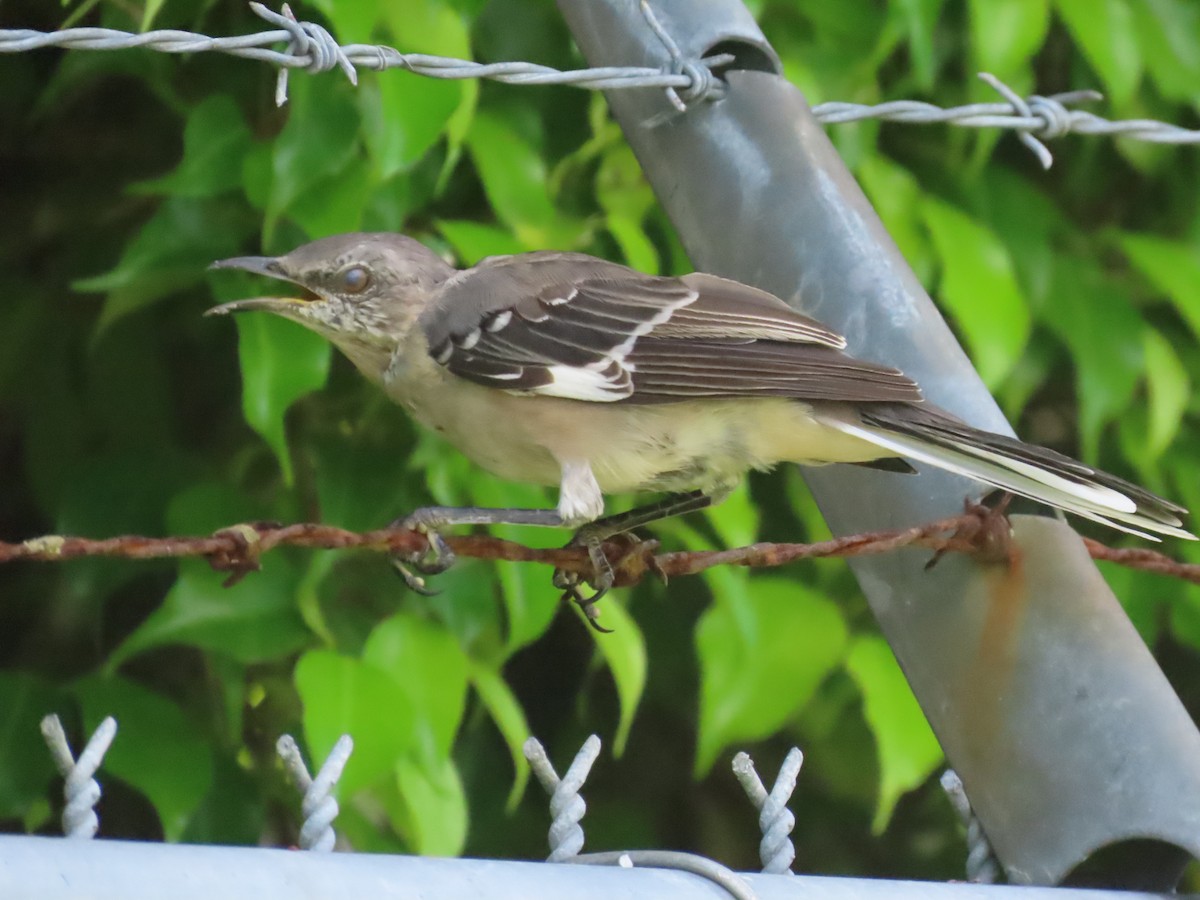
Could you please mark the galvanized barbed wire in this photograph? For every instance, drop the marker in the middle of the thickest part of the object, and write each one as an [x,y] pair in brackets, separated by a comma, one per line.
[311,47]
[567,809]
[982,867]
[775,820]
[319,807]
[80,789]
[1034,119]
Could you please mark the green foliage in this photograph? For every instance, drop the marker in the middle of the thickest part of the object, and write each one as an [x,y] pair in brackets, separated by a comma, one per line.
[1077,293]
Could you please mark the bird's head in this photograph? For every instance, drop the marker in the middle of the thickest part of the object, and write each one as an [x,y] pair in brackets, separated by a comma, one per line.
[362,291]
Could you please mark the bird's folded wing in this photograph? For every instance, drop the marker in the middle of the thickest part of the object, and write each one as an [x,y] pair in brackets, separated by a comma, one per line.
[569,325]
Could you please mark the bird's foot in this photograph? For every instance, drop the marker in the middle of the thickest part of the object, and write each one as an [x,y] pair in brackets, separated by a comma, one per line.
[603,576]
[435,559]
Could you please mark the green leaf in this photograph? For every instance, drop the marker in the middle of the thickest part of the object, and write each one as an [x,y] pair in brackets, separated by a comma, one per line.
[433,815]
[1166,33]
[170,252]
[530,601]
[1104,30]
[437,27]
[980,289]
[157,750]
[637,248]
[621,187]
[1103,331]
[735,519]
[1006,33]
[1172,267]
[256,620]
[427,664]
[920,19]
[763,652]
[215,140]
[318,141]
[150,12]
[908,751]
[351,22]
[336,204]
[24,700]
[281,362]
[472,241]
[514,178]
[1170,390]
[343,695]
[361,479]
[624,652]
[403,117]
[504,709]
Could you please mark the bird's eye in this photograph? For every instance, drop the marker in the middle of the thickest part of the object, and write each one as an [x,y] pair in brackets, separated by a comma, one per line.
[355,280]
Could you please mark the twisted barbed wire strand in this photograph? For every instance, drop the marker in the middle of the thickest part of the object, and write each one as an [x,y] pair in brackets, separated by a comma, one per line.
[319,807]
[566,805]
[311,47]
[982,867]
[80,789]
[775,820]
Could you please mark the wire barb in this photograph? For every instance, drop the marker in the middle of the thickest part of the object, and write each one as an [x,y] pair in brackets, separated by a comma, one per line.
[775,820]
[982,867]
[319,807]
[80,789]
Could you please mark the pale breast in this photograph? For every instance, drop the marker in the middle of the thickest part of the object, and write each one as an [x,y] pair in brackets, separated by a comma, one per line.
[696,444]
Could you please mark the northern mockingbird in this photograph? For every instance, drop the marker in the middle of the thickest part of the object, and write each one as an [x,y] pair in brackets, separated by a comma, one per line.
[564,369]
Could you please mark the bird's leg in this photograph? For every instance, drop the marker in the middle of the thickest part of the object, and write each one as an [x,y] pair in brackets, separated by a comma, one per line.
[429,521]
[593,535]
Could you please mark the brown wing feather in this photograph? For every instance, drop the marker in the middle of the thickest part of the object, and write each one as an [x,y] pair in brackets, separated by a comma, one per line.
[570,325]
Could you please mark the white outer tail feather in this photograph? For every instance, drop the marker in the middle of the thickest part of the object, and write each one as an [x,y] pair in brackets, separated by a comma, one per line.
[1092,501]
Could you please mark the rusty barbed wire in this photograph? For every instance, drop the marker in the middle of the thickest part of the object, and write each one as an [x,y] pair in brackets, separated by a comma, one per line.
[237,549]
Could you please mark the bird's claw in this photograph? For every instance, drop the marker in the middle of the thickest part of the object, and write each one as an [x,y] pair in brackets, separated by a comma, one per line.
[602,580]
[435,559]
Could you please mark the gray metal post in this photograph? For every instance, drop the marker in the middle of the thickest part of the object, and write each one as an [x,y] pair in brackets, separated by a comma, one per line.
[1065,732]
[57,869]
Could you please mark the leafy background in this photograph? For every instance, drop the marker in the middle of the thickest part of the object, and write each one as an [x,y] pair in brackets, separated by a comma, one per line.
[123,410]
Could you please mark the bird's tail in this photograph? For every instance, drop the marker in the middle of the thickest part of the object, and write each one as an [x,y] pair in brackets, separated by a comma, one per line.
[929,435]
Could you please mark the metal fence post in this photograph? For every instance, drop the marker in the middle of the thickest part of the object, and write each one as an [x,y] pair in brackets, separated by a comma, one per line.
[1067,736]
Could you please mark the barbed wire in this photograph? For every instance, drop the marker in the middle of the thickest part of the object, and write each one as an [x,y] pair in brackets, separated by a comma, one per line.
[311,47]
[237,549]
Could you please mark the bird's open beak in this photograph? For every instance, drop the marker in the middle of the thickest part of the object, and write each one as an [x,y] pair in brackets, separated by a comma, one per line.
[260,265]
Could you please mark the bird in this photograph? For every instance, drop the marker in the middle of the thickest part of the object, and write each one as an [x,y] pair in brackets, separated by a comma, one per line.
[564,369]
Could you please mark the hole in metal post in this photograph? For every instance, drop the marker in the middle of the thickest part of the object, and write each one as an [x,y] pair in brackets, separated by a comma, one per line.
[745,56]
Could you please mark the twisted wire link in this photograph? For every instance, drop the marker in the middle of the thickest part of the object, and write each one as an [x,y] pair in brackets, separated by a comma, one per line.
[982,867]
[775,820]
[80,789]
[566,805]
[319,807]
